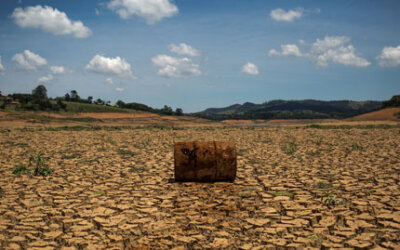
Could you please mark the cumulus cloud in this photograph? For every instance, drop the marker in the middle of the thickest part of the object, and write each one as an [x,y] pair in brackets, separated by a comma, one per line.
[58,70]
[175,67]
[184,49]
[331,49]
[286,16]
[250,69]
[1,66]
[151,10]
[119,89]
[389,57]
[286,50]
[334,49]
[28,60]
[45,79]
[49,20]
[114,66]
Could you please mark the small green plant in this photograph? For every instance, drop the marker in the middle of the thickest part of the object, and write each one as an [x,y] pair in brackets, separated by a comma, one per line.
[244,195]
[100,192]
[137,169]
[290,195]
[319,141]
[290,148]
[330,200]
[242,152]
[110,140]
[126,152]
[21,169]
[356,146]
[322,185]
[41,169]
[314,237]
[71,156]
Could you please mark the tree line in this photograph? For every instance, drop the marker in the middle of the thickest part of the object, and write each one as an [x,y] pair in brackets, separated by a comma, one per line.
[39,101]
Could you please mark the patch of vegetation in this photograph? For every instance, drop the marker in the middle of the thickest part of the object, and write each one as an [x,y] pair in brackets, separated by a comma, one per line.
[242,152]
[356,146]
[41,169]
[110,140]
[100,192]
[126,152]
[21,169]
[275,194]
[71,156]
[314,237]
[137,169]
[244,195]
[330,200]
[290,148]
[322,185]
[40,166]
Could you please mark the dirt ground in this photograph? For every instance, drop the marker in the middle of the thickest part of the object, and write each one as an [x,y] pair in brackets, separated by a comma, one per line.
[113,189]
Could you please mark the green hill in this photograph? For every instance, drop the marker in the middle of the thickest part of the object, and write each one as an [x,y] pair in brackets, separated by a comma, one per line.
[293,109]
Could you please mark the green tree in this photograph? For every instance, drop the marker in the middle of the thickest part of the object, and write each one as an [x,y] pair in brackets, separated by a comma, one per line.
[67,97]
[178,112]
[393,102]
[74,96]
[90,99]
[40,92]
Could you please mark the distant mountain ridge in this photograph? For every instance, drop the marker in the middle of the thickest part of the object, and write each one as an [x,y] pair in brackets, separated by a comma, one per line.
[292,109]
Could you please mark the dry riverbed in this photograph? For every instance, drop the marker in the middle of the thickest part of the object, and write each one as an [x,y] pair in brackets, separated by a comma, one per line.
[295,187]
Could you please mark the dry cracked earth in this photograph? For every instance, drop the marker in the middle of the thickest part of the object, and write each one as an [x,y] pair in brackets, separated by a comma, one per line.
[295,188]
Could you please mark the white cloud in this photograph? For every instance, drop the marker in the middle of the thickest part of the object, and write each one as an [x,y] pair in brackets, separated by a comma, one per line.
[175,66]
[332,49]
[389,57]
[329,42]
[45,79]
[114,66]
[151,10]
[97,12]
[28,60]
[109,80]
[184,49]
[1,66]
[119,89]
[50,20]
[286,50]
[287,16]
[250,69]
[58,70]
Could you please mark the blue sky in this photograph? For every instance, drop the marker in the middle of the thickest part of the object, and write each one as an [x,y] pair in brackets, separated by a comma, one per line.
[198,54]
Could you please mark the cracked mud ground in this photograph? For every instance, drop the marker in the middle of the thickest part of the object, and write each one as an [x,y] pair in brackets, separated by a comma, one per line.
[297,188]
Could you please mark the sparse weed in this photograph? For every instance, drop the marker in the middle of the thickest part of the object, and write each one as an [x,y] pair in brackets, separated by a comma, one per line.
[41,169]
[100,192]
[315,238]
[71,156]
[242,152]
[137,169]
[330,200]
[290,148]
[244,195]
[322,185]
[126,152]
[110,140]
[290,195]
[356,146]
[21,169]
